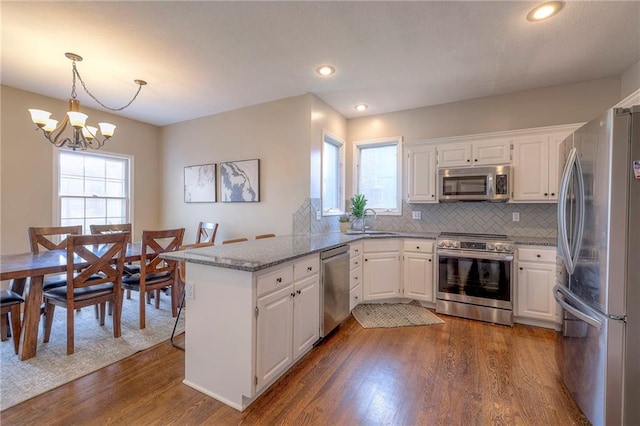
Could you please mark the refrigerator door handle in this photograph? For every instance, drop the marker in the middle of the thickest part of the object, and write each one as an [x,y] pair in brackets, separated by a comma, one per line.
[563,238]
[560,293]
[580,212]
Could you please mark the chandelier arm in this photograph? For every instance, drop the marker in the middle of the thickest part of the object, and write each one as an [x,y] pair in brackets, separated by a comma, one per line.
[84,86]
[57,132]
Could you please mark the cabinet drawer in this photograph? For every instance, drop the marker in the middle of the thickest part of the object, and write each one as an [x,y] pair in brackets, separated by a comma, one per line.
[276,279]
[306,267]
[419,246]
[355,296]
[355,262]
[355,277]
[371,246]
[355,249]
[537,254]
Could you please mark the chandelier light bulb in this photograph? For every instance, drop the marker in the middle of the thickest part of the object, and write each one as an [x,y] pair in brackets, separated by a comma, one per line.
[107,129]
[50,126]
[89,132]
[39,117]
[77,119]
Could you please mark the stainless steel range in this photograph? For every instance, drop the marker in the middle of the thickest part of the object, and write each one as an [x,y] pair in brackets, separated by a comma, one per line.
[474,277]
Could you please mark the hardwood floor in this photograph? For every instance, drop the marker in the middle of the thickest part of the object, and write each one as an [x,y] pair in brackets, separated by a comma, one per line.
[458,373]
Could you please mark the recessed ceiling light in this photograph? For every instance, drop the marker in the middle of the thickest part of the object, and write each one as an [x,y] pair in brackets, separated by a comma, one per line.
[361,107]
[325,70]
[544,11]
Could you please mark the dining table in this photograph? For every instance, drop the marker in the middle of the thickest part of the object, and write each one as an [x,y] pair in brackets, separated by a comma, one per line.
[27,270]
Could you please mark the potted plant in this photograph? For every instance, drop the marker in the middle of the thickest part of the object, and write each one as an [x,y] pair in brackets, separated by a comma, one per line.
[358,203]
[344,222]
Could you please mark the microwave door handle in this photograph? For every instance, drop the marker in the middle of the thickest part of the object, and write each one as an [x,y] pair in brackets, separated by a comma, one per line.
[563,238]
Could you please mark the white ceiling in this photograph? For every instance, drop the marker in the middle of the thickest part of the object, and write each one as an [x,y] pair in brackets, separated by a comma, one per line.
[202,58]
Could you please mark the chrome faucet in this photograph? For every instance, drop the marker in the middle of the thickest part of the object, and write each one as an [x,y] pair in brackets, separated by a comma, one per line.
[364,217]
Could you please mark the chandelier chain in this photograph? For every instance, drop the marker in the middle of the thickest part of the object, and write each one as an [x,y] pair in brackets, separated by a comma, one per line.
[84,86]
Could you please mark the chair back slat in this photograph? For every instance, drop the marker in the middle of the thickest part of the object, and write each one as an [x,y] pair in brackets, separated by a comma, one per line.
[46,236]
[105,255]
[206,232]
[153,244]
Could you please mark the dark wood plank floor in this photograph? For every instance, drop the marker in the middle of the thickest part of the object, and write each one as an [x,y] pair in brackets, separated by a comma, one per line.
[458,373]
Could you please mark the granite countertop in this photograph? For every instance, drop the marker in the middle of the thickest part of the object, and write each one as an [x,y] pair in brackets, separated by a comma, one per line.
[255,255]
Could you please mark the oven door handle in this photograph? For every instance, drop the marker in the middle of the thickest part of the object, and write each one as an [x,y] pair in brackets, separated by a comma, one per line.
[474,255]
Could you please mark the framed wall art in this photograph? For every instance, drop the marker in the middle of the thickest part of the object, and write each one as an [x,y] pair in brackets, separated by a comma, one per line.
[240,181]
[200,184]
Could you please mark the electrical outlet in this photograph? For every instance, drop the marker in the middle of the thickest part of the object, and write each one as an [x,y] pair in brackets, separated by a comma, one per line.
[416,215]
[190,290]
[318,215]
[515,216]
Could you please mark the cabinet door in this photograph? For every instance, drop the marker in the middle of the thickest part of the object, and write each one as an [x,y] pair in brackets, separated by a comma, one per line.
[421,174]
[454,155]
[418,276]
[355,295]
[306,315]
[274,335]
[535,291]
[381,275]
[531,169]
[491,152]
[556,164]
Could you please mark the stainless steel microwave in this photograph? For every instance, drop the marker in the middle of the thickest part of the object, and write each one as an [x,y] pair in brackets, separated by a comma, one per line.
[474,184]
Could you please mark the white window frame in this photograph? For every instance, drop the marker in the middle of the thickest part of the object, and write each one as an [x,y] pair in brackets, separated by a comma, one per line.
[57,219]
[328,137]
[397,141]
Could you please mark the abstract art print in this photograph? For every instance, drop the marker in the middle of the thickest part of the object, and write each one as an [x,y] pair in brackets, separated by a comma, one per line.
[240,181]
[200,184]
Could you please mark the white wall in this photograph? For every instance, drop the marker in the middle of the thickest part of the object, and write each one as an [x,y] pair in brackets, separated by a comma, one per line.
[27,159]
[630,80]
[570,103]
[276,133]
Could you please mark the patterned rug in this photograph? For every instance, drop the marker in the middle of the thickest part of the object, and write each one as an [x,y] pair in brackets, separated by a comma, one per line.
[95,347]
[386,315]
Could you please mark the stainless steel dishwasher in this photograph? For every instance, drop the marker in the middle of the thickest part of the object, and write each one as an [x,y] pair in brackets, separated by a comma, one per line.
[334,295]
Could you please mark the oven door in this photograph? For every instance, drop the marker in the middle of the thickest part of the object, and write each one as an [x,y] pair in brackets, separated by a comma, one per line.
[475,277]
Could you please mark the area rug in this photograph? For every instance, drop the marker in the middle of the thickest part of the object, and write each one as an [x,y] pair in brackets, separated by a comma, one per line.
[95,347]
[387,315]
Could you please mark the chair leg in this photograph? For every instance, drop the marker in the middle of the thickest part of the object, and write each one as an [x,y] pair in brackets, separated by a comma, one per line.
[16,326]
[5,332]
[142,311]
[116,306]
[70,329]
[158,299]
[102,312]
[48,320]
[128,294]
[96,309]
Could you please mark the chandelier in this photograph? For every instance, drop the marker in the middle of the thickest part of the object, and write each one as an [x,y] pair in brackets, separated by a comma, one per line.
[82,136]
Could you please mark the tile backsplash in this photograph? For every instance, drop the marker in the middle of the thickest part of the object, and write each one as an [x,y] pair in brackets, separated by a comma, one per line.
[536,220]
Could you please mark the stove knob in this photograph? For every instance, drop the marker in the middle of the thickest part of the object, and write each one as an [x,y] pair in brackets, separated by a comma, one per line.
[499,247]
[508,247]
[440,243]
[456,244]
[447,243]
[491,246]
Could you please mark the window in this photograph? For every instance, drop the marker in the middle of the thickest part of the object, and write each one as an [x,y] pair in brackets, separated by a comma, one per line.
[378,171]
[332,175]
[92,189]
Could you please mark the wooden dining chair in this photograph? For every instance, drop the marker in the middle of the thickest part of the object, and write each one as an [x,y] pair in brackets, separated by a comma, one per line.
[129,268]
[206,232]
[261,236]
[100,282]
[234,240]
[180,287]
[155,272]
[52,238]
[10,314]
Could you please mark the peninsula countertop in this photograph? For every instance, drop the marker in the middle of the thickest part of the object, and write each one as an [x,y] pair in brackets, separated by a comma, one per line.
[255,255]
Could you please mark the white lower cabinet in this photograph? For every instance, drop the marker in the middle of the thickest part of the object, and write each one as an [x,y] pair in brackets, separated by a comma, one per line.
[381,269]
[288,319]
[355,297]
[536,276]
[417,277]
[355,274]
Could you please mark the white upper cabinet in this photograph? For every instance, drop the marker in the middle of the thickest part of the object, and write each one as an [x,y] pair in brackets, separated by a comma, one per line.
[474,153]
[421,174]
[537,165]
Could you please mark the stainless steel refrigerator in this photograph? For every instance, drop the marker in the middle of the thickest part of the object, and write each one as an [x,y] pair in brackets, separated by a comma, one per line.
[599,286]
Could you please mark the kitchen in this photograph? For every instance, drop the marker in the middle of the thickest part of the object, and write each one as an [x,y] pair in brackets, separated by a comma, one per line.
[281,132]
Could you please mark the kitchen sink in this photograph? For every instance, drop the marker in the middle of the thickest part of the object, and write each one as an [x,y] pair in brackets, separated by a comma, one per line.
[371,233]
